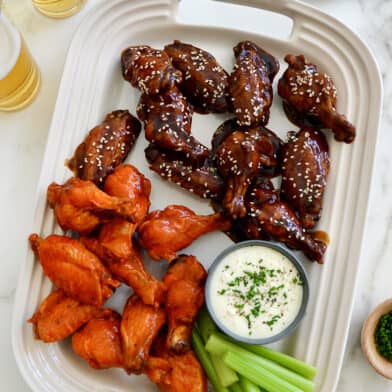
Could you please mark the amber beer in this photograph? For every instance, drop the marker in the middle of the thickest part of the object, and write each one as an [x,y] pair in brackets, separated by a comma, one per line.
[19,75]
[58,8]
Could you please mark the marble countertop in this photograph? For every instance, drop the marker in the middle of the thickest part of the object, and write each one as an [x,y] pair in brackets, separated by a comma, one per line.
[23,141]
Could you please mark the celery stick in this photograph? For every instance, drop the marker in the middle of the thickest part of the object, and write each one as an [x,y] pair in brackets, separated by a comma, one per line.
[285,360]
[248,386]
[226,375]
[206,324]
[205,361]
[236,387]
[258,374]
[217,344]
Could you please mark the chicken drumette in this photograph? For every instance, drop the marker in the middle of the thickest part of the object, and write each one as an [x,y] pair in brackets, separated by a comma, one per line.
[167,123]
[309,98]
[304,174]
[279,223]
[74,269]
[203,180]
[99,341]
[165,232]
[127,182]
[239,159]
[184,280]
[140,325]
[115,247]
[81,206]
[59,316]
[148,69]
[105,147]
[204,82]
[251,83]
[175,373]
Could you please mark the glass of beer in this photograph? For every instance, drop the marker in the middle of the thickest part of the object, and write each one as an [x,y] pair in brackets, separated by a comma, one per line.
[58,8]
[19,74]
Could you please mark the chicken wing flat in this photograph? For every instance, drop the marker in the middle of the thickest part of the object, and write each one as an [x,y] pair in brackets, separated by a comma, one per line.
[205,82]
[203,181]
[105,147]
[99,341]
[185,279]
[81,206]
[140,325]
[164,232]
[74,269]
[239,159]
[128,182]
[251,83]
[310,98]
[167,123]
[279,223]
[114,246]
[149,70]
[59,316]
[230,126]
[304,174]
[175,373]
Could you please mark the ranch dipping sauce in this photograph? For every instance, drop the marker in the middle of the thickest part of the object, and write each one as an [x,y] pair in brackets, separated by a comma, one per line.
[256,292]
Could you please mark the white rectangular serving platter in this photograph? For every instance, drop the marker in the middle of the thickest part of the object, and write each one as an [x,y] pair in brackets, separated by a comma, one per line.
[92,85]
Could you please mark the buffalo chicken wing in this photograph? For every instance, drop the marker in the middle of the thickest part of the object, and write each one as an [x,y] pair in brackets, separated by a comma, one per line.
[74,269]
[164,232]
[184,280]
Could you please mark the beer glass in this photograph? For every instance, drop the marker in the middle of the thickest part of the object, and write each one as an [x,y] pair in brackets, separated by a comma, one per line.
[58,8]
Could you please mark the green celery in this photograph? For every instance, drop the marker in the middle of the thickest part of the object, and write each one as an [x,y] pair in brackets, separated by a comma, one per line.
[236,387]
[248,386]
[258,374]
[218,344]
[206,324]
[205,361]
[226,375]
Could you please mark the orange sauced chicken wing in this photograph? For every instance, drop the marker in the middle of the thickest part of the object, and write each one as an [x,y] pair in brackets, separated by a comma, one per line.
[184,280]
[140,325]
[59,316]
[74,269]
[128,182]
[114,246]
[81,206]
[165,232]
[99,341]
[175,373]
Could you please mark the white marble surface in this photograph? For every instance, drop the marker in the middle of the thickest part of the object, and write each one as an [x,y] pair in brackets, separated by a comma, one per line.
[23,136]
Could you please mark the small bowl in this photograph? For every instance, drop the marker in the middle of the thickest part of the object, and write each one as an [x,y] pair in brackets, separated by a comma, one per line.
[369,348]
[279,248]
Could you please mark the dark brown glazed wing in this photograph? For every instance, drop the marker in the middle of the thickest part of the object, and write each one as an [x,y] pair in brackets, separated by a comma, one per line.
[185,279]
[99,341]
[128,182]
[164,232]
[114,246]
[305,167]
[167,123]
[310,97]
[74,269]
[140,325]
[205,82]
[175,373]
[230,126]
[251,83]
[148,69]
[279,223]
[105,147]
[239,159]
[203,180]
[59,316]
[81,206]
